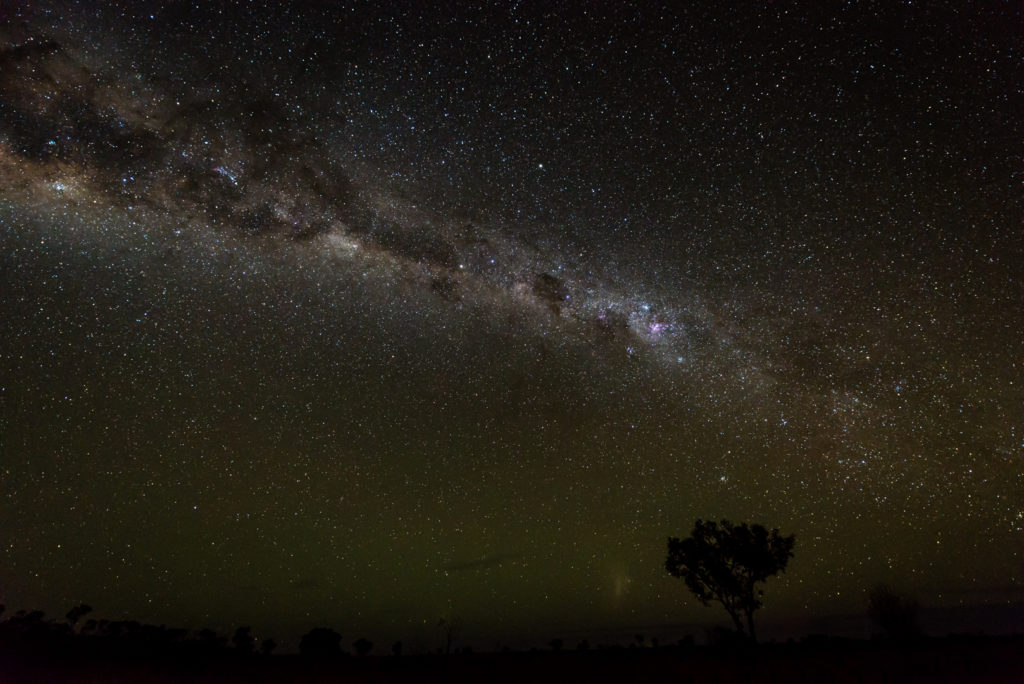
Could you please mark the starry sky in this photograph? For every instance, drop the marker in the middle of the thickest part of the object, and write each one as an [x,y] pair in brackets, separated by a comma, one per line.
[368,314]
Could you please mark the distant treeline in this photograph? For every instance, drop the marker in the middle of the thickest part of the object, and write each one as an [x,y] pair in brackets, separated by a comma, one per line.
[26,633]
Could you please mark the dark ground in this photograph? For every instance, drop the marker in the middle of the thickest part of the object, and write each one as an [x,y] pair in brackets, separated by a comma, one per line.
[953,659]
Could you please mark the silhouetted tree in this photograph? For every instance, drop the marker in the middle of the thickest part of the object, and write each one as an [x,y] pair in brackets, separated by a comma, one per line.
[450,627]
[726,563]
[320,642]
[583,646]
[396,649]
[556,644]
[77,613]
[243,639]
[207,637]
[362,647]
[268,646]
[895,614]
[30,622]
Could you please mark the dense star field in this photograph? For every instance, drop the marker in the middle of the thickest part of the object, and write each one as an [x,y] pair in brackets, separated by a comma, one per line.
[365,315]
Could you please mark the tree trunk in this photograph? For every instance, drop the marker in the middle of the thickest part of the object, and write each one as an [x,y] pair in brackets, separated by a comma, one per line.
[736,620]
[750,626]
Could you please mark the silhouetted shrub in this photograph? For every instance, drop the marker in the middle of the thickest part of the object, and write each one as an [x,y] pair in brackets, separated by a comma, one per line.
[895,614]
[362,647]
[243,640]
[320,642]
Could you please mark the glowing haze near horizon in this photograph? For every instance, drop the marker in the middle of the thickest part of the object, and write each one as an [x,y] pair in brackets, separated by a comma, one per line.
[362,316]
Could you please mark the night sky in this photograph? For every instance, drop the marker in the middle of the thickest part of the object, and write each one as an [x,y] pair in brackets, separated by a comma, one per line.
[362,316]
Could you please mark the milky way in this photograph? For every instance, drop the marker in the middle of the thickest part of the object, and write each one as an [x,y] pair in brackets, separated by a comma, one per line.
[367,316]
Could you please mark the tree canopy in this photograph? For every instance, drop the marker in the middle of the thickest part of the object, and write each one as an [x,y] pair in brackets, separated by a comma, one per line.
[725,563]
